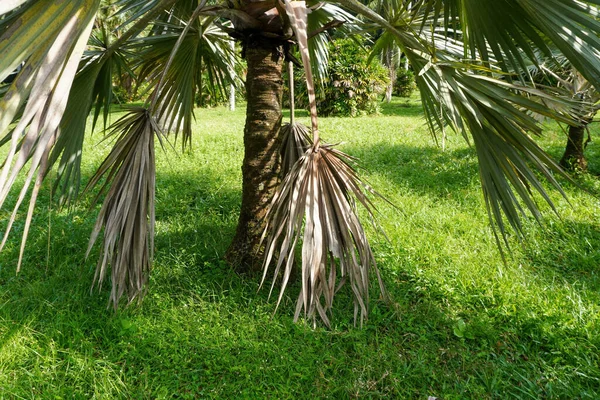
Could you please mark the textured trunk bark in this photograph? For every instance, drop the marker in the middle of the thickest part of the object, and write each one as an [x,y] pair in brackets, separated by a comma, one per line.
[264,88]
[573,157]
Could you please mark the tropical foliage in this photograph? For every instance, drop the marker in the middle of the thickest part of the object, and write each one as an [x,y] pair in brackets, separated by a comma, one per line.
[405,85]
[354,83]
[471,59]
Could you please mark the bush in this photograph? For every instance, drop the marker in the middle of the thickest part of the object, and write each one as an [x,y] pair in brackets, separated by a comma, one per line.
[405,83]
[353,84]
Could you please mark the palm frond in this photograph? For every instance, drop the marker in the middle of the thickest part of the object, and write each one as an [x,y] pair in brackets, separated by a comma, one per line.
[296,141]
[511,33]
[127,214]
[10,5]
[314,206]
[201,48]
[478,100]
[142,10]
[321,16]
[296,138]
[52,39]
[92,89]
[493,113]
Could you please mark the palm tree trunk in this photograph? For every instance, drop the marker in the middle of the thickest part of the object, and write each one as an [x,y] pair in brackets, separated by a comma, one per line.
[389,63]
[573,157]
[264,88]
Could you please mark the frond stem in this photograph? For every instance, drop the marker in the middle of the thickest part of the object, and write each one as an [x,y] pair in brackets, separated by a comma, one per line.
[292,95]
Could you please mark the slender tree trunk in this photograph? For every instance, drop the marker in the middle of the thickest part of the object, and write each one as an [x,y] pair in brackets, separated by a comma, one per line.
[264,88]
[573,157]
[389,63]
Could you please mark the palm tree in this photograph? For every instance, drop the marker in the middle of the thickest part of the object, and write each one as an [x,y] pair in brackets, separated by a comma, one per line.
[575,85]
[467,86]
[395,12]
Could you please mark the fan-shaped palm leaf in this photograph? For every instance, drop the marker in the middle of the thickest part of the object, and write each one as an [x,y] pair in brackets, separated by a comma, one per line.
[92,88]
[509,31]
[52,48]
[322,16]
[313,206]
[478,101]
[204,48]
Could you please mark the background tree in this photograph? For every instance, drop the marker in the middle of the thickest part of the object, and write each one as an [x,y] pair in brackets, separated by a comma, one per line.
[465,87]
[396,12]
[569,79]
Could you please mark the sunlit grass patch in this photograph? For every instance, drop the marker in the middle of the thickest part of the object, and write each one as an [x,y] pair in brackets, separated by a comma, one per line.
[463,323]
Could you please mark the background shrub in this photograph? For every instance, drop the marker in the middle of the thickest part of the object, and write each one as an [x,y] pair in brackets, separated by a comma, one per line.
[405,83]
[353,85]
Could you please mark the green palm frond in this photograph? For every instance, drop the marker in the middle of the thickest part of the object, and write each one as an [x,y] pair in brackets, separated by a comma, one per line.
[477,100]
[92,89]
[127,214]
[494,114]
[9,11]
[68,150]
[325,15]
[512,32]
[113,56]
[133,10]
[51,38]
[205,49]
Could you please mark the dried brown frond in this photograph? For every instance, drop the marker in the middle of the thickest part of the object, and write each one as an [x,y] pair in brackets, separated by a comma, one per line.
[296,140]
[127,213]
[315,206]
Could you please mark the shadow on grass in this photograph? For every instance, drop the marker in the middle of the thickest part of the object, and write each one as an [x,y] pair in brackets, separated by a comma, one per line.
[430,170]
[422,169]
[204,331]
[570,249]
[402,107]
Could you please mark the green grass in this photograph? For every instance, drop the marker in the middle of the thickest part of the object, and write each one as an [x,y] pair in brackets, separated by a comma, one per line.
[463,324]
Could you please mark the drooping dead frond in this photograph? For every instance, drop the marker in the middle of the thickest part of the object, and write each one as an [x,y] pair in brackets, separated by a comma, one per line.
[296,140]
[315,206]
[127,213]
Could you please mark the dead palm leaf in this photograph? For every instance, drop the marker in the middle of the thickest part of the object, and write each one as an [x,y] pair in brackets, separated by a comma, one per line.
[296,140]
[315,206]
[127,212]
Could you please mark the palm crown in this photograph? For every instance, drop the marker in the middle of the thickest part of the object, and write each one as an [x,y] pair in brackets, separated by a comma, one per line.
[471,59]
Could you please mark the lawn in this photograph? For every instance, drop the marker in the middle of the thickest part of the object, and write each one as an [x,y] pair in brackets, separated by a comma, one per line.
[463,324]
